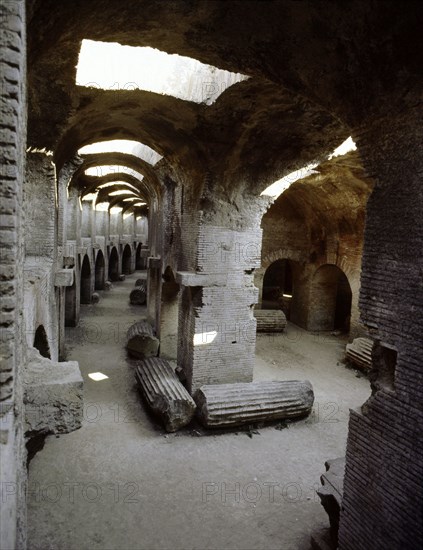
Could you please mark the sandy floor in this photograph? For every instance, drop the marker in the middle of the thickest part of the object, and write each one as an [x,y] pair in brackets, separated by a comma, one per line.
[120,482]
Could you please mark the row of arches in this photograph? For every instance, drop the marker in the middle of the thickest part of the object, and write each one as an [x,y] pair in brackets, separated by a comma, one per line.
[90,281]
[327,296]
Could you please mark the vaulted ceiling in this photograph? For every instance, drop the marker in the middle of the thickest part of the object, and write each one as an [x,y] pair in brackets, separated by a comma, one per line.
[317,71]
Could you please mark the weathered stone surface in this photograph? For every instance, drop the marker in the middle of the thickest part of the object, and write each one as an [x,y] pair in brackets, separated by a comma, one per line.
[270,320]
[359,353]
[53,395]
[95,298]
[63,277]
[138,295]
[140,282]
[331,494]
[164,393]
[108,285]
[141,341]
[224,405]
[122,277]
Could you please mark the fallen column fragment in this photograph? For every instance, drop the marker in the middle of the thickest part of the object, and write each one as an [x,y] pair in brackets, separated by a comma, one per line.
[225,405]
[164,393]
[138,295]
[270,320]
[141,341]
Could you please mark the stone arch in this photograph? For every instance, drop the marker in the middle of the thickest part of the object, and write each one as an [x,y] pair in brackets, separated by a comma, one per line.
[114,264]
[86,281]
[99,271]
[330,299]
[127,260]
[41,342]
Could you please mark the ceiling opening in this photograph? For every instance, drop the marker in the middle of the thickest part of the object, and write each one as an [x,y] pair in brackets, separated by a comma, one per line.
[114,183]
[278,187]
[121,192]
[105,170]
[125,146]
[111,66]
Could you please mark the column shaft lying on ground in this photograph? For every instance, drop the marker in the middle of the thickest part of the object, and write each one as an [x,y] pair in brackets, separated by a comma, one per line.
[141,341]
[236,404]
[138,295]
[164,393]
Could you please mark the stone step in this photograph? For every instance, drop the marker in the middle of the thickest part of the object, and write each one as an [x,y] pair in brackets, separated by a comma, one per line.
[359,352]
[141,341]
[138,295]
[331,492]
[164,393]
[224,405]
[270,320]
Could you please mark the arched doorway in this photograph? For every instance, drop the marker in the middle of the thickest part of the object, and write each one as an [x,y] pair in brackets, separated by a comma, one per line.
[41,342]
[138,259]
[330,300]
[113,265]
[86,281]
[278,286]
[99,271]
[127,260]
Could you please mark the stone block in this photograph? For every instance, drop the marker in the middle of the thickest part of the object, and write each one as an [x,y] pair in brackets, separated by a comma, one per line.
[52,395]
[63,277]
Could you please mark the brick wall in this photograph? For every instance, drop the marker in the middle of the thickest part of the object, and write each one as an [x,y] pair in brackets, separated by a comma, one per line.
[383,489]
[12,155]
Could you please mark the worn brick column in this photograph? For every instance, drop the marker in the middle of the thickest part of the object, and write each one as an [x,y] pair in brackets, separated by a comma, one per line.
[383,488]
[217,329]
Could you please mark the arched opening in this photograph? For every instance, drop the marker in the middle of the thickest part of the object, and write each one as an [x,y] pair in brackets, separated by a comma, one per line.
[127,260]
[99,271]
[41,342]
[114,265]
[138,259]
[330,300]
[86,281]
[278,286]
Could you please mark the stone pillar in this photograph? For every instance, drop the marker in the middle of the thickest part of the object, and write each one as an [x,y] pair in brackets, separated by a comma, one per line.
[383,488]
[258,282]
[154,283]
[73,218]
[86,219]
[169,316]
[217,329]
[115,224]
